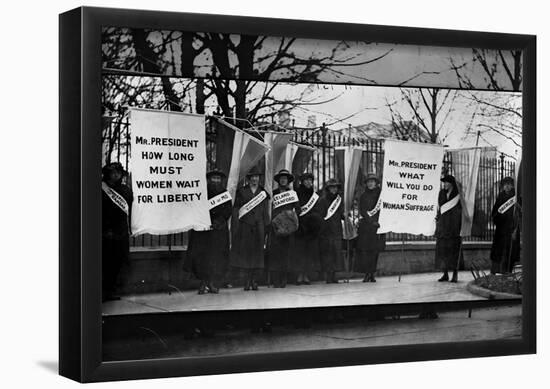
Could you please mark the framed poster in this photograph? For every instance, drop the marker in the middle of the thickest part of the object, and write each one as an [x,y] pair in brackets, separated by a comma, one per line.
[244,194]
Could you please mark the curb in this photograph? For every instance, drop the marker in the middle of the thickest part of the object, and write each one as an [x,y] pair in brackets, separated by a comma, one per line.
[490,294]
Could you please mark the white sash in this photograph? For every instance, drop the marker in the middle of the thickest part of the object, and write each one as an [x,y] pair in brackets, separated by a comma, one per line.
[115,197]
[507,205]
[252,203]
[309,205]
[284,198]
[376,208]
[450,204]
[333,207]
[219,199]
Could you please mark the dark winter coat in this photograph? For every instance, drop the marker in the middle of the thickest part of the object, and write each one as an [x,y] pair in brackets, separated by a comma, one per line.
[369,243]
[115,237]
[505,248]
[248,233]
[447,232]
[281,247]
[330,237]
[208,251]
[306,243]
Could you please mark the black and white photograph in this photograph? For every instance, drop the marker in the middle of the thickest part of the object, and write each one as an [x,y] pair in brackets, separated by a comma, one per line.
[265,194]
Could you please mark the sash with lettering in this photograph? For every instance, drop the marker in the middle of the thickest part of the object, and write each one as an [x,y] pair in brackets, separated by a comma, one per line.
[284,198]
[309,205]
[253,203]
[449,204]
[115,197]
[376,208]
[507,205]
[333,207]
[219,199]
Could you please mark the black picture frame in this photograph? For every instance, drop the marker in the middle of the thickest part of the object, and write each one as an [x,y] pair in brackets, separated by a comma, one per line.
[79,201]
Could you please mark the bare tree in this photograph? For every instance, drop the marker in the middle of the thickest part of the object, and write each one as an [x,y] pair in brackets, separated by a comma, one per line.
[494,113]
[429,107]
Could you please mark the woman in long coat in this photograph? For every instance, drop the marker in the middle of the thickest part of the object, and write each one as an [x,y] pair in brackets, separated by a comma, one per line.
[209,250]
[330,238]
[115,226]
[306,243]
[369,243]
[249,230]
[282,246]
[505,214]
[447,231]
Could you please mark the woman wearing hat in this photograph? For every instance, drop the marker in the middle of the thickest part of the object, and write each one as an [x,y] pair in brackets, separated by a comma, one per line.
[369,243]
[330,237]
[306,243]
[116,203]
[447,231]
[284,223]
[208,250]
[248,228]
[505,250]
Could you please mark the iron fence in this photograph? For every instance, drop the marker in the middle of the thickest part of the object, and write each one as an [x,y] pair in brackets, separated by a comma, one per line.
[116,147]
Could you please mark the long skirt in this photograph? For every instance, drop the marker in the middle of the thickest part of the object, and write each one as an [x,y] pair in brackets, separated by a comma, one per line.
[366,261]
[279,252]
[332,259]
[115,253]
[504,253]
[247,250]
[447,251]
[209,253]
[305,258]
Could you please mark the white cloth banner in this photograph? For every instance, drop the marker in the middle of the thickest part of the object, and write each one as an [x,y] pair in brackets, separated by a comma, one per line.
[410,187]
[168,166]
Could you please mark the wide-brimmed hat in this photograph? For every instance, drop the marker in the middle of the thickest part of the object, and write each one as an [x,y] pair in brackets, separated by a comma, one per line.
[113,166]
[284,172]
[372,176]
[215,172]
[507,180]
[448,178]
[254,172]
[307,176]
[332,182]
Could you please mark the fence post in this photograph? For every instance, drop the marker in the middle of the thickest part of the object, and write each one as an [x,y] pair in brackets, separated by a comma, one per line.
[324,146]
[501,166]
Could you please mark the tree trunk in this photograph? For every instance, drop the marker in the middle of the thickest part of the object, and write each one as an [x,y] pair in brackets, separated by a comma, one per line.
[147,59]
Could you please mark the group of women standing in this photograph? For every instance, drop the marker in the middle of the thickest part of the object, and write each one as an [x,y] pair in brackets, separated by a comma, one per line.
[300,232]
[304,233]
[505,216]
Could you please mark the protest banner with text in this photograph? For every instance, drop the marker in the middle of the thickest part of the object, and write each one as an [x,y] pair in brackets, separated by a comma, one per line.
[168,166]
[410,187]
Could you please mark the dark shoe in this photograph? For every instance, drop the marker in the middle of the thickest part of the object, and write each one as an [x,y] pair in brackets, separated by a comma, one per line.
[247,286]
[372,279]
[254,285]
[213,289]
[306,282]
[455,277]
[445,277]
[202,288]
[111,297]
[227,285]
[366,278]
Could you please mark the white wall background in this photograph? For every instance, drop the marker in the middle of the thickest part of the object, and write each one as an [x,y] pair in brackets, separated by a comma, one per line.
[29,195]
